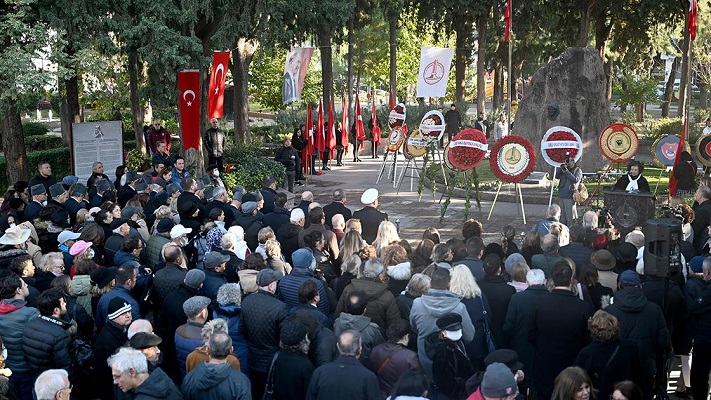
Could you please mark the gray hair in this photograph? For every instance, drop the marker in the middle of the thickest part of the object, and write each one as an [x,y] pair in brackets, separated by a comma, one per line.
[549,243]
[217,192]
[220,345]
[349,343]
[49,383]
[553,210]
[297,215]
[536,277]
[129,359]
[212,327]
[228,241]
[590,220]
[373,267]
[337,221]
[139,325]
[705,191]
[706,264]
[339,194]
[419,284]
[229,293]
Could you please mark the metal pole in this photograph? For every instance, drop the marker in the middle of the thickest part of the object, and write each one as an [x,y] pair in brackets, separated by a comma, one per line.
[509,78]
[520,196]
[494,203]
[550,199]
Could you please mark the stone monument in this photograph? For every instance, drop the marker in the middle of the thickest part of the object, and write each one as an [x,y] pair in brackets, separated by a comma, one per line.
[568,91]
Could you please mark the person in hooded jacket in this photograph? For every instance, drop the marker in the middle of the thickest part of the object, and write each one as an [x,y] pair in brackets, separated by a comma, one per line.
[430,307]
[354,319]
[643,322]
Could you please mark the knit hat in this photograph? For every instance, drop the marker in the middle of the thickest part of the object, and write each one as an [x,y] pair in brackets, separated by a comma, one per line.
[267,276]
[450,322]
[194,278]
[79,189]
[603,260]
[37,189]
[118,306]
[102,276]
[626,252]
[165,225]
[79,247]
[498,381]
[293,332]
[145,340]
[249,207]
[57,190]
[194,305]
[629,278]
[512,260]
[696,264]
[302,258]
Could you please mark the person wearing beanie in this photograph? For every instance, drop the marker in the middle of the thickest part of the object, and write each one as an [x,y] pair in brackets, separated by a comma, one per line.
[304,265]
[498,383]
[125,281]
[643,322]
[292,369]
[112,336]
[451,366]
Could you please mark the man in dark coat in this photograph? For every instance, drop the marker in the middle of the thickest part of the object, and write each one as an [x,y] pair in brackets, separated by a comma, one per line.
[317,219]
[370,217]
[219,200]
[304,264]
[268,191]
[288,235]
[112,336]
[279,215]
[262,317]
[338,206]
[97,173]
[475,249]
[45,341]
[137,380]
[306,199]
[499,294]
[249,222]
[453,120]
[43,177]
[292,368]
[76,202]
[558,330]
[128,190]
[346,378]
[190,195]
[576,249]
[642,322]
[697,293]
[519,314]
[702,211]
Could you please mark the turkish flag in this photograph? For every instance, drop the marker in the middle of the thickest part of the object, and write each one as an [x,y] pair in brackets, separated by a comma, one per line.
[189,101]
[376,129]
[392,99]
[359,131]
[692,21]
[308,143]
[216,95]
[345,126]
[320,142]
[507,34]
[679,149]
[331,132]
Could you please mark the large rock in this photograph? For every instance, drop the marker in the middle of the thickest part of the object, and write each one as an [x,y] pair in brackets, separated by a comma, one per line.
[574,82]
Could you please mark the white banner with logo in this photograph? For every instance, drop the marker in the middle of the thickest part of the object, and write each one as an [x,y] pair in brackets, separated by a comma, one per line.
[435,63]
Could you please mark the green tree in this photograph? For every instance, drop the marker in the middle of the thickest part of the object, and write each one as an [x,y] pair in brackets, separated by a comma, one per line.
[635,91]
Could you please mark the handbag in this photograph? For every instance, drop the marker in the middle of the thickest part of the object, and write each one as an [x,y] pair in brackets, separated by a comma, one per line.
[580,194]
[490,344]
[81,350]
[269,386]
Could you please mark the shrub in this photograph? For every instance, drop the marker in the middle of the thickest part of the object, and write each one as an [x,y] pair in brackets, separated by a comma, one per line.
[700,115]
[239,153]
[250,173]
[59,159]
[34,129]
[42,142]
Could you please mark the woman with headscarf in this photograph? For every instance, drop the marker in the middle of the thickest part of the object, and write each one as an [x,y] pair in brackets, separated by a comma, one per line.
[633,181]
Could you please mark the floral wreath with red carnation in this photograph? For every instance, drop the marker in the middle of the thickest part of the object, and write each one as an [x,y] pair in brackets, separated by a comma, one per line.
[494,158]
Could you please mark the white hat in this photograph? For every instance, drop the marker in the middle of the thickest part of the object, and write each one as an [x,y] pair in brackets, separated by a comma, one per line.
[369,196]
[15,235]
[178,231]
[67,235]
[238,231]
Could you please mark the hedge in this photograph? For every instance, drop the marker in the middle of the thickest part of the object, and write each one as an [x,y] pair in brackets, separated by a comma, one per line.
[58,158]
[43,142]
[251,172]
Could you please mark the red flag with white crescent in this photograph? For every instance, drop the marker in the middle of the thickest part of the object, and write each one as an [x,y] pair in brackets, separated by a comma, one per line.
[320,142]
[507,34]
[216,95]
[189,102]
[306,138]
[331,131]
[679,149]
[359,131]
[392,99]
[376,129]
[344,125]
[692,21]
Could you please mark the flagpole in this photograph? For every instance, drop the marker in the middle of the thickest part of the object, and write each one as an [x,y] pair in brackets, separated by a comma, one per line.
[510,75]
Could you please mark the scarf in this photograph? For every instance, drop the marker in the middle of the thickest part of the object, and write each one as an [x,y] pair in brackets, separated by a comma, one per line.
[633,183]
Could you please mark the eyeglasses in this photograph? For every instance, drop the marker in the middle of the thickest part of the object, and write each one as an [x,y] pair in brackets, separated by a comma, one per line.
[66,388]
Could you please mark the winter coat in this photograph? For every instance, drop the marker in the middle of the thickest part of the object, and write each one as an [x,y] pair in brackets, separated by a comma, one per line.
[289,289]
[399,358]
[251,226]
[102,309]
[110,338]
[578,252]
[381,308]
[212,283]
[370,218]
[232,266]
[676,313]
[288,237]
[423,319]
[697,294]
[642,322]
[340,283]
[329,239]
[292,374]
[475,265]
[343,379]
[154,246]
[277,218]
[279,265]
[399,277]
[188,337]
[701,221]
[568,179]
[558,330]
[545,262]
[216,382]
[45,344]
[200,355]
[600,295]
[323,347]
[605,370]
[315,312]
[260,323]
[80,288]
[231,313]
[498,293]
[369,331]
[157,386]
[404,304]
[167,280]
[14,317]
[450,365]
[518,320]
[477,349]
[334,208]
[248,280]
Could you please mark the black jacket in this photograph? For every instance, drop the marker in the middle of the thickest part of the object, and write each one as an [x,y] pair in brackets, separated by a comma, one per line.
[450,365]
[278,217]
[45,343]
[268,195]
[292,374]
[288,237]
[697,294]
[518,320]
[323,347]
[336,208]
[251,226]
[499,294]
[701,221]
[109,340]
[157,386]
[287,157]
[343,379]
[606,367]
[262,316]
[370,218]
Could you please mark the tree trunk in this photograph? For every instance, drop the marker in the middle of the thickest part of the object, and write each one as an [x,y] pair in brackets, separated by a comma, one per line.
[602,37]
[685,74]
[393,58]
[703,95]
[241,58]
[134,68]
[498,99]
[349,87]
[460,63]
[65,122]
[326,66]
[481,24]
[669,88]
[13,142]
[609,70]
[585,11]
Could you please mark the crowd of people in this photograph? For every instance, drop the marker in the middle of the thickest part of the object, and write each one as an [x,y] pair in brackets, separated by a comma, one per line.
[161,285]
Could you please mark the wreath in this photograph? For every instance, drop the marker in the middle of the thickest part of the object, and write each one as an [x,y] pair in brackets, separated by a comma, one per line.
[556,153]
[522,173]
[467,157]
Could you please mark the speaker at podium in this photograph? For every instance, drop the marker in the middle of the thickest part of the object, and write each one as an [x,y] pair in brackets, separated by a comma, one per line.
[661,247]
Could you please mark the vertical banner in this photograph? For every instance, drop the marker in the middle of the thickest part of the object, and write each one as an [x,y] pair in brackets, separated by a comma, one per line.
[320,142]
[507,16]
[307,139]
[359,130]
[297,63]
[189,101]
[435,63]
[216,95]
[376,129]
[345,126]
[331,135]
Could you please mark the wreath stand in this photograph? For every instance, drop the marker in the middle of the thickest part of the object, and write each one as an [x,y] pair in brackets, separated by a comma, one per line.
[436,156]
[392,167]
[403,173]
[668,169]
[550,198]
[517,188]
